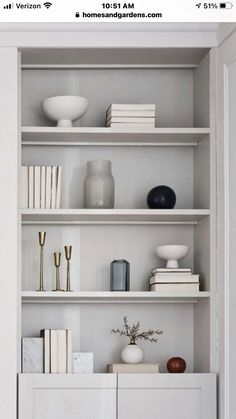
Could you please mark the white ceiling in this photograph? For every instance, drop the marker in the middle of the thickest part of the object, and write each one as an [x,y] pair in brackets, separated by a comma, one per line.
[110,27]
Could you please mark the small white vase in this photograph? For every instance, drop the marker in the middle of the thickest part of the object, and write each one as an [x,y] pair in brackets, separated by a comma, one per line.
[132,354]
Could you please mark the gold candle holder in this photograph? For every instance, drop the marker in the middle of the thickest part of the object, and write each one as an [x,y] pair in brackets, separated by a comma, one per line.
[57,261]
[68,252]
[42,237]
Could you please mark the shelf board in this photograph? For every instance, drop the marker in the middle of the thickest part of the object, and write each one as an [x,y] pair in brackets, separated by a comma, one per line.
[97,297]
[47,58]
[113,216]
[101,136]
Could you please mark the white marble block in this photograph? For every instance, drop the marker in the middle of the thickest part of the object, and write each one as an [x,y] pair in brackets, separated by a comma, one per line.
[32,355]
[82,362]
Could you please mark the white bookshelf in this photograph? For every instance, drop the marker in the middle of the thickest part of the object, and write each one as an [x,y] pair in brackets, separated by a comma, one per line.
[178,152]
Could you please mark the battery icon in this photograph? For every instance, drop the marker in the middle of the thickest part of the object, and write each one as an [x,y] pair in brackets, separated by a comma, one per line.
[226,5]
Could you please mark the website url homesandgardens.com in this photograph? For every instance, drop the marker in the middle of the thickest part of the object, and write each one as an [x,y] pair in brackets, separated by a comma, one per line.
[118,15]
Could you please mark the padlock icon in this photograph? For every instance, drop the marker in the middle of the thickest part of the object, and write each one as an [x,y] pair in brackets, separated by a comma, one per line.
[77,14]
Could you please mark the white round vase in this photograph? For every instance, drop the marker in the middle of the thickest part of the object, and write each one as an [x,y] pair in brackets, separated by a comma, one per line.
[132,354]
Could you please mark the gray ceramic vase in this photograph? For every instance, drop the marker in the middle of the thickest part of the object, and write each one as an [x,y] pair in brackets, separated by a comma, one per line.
[99,185]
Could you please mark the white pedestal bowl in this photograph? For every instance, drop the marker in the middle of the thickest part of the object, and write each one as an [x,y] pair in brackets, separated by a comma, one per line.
[64,109]
[172,253]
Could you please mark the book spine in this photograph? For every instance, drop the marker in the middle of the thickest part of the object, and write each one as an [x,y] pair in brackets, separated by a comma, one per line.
[46,350]
[31,186]
[43,188]
[173,270]
[62,351]
[48,187]
[53,187]
[174,287]
[130,125]
[133,106]
[58,187]
[37,187]
[24,187]
[53,352]
[165,278]
[130,113]
[131,120]
[69,351]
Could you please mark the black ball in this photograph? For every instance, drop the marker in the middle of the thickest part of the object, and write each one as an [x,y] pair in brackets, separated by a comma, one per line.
[161,197]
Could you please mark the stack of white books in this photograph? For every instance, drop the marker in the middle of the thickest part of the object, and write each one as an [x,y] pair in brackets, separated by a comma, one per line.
[131,115]
[57,351]
[170,279]
[41,187]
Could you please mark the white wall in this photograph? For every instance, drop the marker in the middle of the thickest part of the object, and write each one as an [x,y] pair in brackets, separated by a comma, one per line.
[8,230]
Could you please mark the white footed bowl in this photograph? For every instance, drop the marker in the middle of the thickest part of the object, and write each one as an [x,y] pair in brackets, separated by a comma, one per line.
[172,253]
[64,109]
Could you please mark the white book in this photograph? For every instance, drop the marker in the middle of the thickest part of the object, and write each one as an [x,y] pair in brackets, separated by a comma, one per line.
[174,278]
[69,351]
[131,120]
[48,187]
[53,187]
[194,287]
[31,186]
[133,106]
[62,351]
[58,189]
[131,126]
[24,187]
[37,187]
[172,270]
[121,368]
[43,188]
[53,352]
[45,333]
[128,113]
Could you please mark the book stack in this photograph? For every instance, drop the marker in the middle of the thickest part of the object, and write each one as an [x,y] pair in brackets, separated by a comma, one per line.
[131,115]
[122,368]
[171,279]
[41,187]
[57,351]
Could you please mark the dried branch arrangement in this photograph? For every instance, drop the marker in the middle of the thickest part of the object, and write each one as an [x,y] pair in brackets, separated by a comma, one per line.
[134,334]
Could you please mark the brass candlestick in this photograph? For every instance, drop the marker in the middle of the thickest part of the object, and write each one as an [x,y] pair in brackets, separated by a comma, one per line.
[42,237]
[68,252]
[57,261]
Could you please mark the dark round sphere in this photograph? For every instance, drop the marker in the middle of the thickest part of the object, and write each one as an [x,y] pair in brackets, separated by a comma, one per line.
[161,197]
[176,365]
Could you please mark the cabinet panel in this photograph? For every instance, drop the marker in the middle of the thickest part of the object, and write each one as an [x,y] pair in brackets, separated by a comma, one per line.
[60,396]
[160,403]
[179,396]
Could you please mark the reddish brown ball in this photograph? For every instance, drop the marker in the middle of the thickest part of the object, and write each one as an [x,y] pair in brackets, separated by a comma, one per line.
[176,365]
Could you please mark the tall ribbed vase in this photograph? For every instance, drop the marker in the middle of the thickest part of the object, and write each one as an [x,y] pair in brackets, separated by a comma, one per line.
[99,185]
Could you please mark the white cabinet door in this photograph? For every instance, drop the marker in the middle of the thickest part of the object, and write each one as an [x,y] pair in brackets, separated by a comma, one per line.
[167,396]
[67,396]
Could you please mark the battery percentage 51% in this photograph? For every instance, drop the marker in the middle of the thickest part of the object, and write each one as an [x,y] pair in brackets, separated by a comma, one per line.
[214,6]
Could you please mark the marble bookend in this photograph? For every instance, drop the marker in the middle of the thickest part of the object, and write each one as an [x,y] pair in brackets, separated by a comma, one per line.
[82,362]
[32,355]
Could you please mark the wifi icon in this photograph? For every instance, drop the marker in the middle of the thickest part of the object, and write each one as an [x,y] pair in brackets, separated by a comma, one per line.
[47,4]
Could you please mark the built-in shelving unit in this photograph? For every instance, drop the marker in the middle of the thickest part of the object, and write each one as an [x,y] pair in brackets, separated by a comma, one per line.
[177,152]
[102,297]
